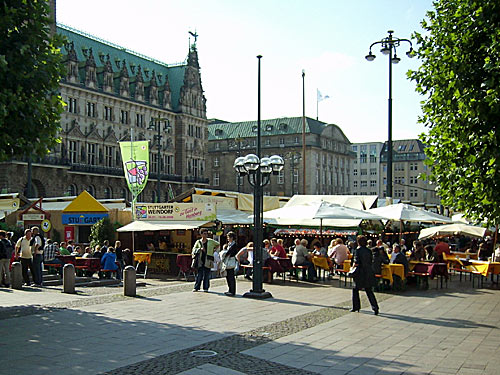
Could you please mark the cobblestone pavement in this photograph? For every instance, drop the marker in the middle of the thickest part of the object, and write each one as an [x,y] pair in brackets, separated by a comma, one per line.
[304,329]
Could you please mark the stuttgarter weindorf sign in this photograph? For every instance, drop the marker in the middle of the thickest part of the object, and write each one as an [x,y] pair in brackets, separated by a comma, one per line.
[176,211]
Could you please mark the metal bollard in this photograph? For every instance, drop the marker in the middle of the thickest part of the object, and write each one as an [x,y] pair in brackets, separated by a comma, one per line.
[129,285]
[69,279]
[16,276]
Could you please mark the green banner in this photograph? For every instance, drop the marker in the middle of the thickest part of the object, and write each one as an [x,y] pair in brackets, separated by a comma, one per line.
[135,156]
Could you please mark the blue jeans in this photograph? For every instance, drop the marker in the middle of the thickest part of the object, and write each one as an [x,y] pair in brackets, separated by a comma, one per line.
[37,265]
[203,275]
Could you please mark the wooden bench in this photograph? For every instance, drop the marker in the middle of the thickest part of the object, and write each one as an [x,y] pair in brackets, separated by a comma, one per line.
[295,270]
[105,271]
[421,276]
[462,271]
[264,269]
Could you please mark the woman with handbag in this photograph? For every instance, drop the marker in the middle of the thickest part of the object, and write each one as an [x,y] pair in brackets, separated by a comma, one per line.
[203,259]
[363,275]
[228,258]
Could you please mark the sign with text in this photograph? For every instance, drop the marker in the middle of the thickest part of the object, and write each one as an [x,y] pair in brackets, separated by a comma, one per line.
[82,219]
[33,217]
[176,211]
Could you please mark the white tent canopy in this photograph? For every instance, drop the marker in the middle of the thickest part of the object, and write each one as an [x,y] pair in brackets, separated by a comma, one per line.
[451,230]
[151,225]
[406,212]
[305,215]
[360,202]
[228,216]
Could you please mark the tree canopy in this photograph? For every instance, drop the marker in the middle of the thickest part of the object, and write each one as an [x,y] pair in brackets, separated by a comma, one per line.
[31,65]
[460,79]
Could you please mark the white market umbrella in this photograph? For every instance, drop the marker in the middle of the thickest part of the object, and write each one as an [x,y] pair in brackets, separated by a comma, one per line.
[407,212]
[328,210]
[451,230]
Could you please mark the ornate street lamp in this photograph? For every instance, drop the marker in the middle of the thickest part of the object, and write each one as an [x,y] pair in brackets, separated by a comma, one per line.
[157,138]
[258,170]
[389,45]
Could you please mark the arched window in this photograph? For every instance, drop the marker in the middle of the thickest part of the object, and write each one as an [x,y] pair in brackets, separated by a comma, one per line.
[91,190]
[125,193]
[72,190]
[108,192]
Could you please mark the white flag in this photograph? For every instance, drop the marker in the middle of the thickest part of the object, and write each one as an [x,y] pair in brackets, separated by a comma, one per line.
[321,97]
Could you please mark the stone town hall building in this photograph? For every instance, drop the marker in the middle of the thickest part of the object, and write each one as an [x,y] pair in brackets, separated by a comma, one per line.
[111,92]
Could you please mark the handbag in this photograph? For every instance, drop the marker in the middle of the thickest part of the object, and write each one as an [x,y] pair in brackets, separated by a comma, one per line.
[353,271]
[194,262]
[228,262]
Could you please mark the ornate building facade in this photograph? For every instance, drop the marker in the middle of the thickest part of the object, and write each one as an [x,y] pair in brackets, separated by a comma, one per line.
[113,94]
[328,155]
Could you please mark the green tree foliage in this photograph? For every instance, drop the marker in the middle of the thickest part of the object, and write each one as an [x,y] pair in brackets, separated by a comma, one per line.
[31,66]
[100,231]
[460,79]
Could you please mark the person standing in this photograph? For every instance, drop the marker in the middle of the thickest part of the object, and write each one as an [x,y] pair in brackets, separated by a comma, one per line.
[232,250]
[203,259]
[365,276]
[5,255]
[23,251]
[37,244]
[119,257]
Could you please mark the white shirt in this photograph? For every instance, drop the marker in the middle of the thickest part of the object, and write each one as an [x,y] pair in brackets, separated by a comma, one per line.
[216,261]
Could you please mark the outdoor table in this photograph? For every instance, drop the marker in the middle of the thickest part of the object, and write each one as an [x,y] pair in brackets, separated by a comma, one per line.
[321,262]
[89,264]
[483,267]
[71,259]
[462,255]
[433,269]
[184,261]
[142,257]
[285,263]
[388,270]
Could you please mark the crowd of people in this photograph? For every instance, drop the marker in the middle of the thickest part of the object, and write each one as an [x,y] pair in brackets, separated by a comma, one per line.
[33,251]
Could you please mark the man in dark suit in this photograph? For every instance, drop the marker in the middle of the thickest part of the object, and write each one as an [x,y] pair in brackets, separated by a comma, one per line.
[365,276]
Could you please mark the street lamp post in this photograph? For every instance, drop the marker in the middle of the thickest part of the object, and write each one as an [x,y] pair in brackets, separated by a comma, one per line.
[389,45]
[258,171]
[158,138]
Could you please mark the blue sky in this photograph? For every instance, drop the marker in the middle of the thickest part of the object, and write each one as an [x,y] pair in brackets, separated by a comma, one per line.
[328,39]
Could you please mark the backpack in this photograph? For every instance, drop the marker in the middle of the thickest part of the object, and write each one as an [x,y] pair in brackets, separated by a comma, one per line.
[6,249]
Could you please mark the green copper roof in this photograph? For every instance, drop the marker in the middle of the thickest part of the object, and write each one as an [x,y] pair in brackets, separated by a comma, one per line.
[278,126]
[117,54]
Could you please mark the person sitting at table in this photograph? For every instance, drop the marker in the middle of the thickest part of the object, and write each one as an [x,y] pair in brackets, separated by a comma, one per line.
[244,257]
[484,252]
[50,251]
[88,253]
[339,252]
[379,257]
[128,257]
[150,246]
[442,247]
[108,263]
[397,257]
[77,251]
[417,252]
[63,250]
[267,245]
[430,254]
[97,253]
[302,257]
[277,250]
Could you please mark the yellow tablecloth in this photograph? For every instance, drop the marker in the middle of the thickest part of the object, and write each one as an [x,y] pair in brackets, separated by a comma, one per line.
[142,257]
[393,269]
[320,262]
[347,265]
[485,268]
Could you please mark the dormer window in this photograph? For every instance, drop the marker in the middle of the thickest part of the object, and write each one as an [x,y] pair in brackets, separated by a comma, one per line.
[269,128]
[218,132]
[282,126]
[254,128]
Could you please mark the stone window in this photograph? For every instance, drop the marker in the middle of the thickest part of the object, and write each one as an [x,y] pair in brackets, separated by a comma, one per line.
[123,117]
[216,179]
[108,113]
[91,112]
[72,105]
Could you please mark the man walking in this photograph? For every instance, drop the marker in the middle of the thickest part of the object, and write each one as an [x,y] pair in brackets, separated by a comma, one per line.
[23,251]
[203,259]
